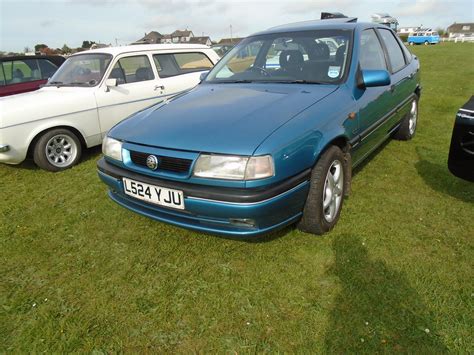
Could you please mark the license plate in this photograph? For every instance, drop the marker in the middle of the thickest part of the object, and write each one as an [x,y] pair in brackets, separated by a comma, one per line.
[154,194]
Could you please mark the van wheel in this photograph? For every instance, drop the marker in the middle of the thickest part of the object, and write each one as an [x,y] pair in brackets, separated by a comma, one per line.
[426,43]
[326,193]
[407,128]
[57,149]
[411,43]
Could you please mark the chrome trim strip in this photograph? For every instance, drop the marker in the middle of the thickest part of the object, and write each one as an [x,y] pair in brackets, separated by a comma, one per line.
[247,203]
[4,148]
[466,110]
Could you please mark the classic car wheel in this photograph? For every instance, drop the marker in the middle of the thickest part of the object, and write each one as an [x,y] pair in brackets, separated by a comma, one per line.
[326,193]
[407,128]
[411,43]
[57,150]
[426,43]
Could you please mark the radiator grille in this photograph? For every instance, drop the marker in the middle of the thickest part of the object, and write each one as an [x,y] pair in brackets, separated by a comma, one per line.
[175,165]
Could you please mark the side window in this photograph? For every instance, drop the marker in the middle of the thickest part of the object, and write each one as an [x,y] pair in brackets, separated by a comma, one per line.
[190,62]
[371,52]
[47,68]
[395,54]
[166,65]
[24,70]
[132,69]
[2,75]
[181,63]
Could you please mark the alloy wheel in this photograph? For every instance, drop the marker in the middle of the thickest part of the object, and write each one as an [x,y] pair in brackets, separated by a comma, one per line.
[333,191]
[61,150]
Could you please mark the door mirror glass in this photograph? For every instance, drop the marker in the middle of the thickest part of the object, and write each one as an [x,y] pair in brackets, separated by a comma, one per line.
[111,82]
[203,75]
[372,78]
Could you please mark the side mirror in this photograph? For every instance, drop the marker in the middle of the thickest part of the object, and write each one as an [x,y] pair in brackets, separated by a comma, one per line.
[203,76]
[373,78]
[111,82]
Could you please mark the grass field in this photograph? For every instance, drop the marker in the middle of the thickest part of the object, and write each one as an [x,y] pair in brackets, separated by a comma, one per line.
[79,273]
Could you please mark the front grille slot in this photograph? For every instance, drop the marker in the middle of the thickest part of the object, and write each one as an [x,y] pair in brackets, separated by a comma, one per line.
[175,165]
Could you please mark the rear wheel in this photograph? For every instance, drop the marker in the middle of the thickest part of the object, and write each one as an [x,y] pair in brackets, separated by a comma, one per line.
[407,128]
[426,43]
[411,43]
[326,193]
[57,149]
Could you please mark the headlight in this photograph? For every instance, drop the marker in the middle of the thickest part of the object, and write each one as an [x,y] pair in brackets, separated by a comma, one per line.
[112,148]
[233,167]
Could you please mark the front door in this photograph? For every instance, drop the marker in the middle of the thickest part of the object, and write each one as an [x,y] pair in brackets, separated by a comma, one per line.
[374,103]
[137,88]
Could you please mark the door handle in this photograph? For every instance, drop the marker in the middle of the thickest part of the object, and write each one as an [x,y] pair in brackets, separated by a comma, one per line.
[161,87]
[410,76]
[392,88]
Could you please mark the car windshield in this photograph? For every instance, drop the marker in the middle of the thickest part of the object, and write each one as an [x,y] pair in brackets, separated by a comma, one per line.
[81,70]
[311,57]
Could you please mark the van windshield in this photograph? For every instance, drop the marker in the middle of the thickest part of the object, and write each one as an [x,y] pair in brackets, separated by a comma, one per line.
[81,70]
[308,57]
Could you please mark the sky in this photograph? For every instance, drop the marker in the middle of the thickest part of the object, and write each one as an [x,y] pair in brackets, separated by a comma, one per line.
[24,23]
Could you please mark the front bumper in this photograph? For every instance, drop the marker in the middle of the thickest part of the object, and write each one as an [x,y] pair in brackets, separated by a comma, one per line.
[218,210]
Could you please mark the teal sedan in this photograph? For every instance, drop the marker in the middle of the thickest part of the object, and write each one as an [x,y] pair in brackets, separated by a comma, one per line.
[271,134]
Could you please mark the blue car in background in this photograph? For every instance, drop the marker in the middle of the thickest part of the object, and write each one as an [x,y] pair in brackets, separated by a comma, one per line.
[271,134]
[423,37]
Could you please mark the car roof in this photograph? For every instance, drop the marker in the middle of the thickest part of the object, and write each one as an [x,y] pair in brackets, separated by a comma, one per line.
[329,24]
[56,59]
[143,47]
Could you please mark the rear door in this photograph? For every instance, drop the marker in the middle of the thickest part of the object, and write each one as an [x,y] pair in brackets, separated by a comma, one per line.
[21,76]
[403,78]
[180,71]
[137,88]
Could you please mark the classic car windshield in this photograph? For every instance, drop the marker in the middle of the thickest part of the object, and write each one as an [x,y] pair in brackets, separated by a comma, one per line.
[318,57]
[81,70]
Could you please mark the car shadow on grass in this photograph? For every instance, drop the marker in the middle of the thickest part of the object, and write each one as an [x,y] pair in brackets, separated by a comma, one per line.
[439,178]
[376,310]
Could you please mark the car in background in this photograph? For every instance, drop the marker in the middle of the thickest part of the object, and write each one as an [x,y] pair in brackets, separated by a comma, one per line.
[91,92]
[261,144]
[20,74]
[461,151]
[423,37]
[221,49]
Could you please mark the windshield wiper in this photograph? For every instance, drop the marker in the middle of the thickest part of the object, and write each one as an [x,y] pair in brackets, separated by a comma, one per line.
[234,81]
[301,81]
[54,83]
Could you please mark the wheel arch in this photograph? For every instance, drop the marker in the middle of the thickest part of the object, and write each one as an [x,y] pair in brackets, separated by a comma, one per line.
[37,135]
[341,141]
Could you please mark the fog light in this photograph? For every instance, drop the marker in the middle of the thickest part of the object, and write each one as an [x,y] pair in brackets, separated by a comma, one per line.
[243,222]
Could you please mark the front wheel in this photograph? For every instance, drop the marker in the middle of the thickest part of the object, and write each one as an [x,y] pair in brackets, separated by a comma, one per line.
[326,192]
[426,43]
[407,128]
[57,149]
[411,43]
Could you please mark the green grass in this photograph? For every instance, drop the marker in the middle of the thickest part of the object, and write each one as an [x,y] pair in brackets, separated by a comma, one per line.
[79,273]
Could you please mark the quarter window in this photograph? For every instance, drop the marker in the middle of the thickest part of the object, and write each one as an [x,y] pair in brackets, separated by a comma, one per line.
[371,52]
[21,71]
[47,68]
[132,69]
[2,76]
[395,54]
[180,63]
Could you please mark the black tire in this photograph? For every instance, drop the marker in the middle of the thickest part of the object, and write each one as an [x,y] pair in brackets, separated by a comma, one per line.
[63,145]
[314,218]
[406,132]
[411,43]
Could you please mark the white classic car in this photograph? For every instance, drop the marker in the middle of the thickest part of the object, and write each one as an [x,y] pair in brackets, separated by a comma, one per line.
[90,93]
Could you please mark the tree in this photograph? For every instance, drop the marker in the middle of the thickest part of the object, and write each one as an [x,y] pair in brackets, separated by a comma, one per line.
[441,31]
[65,49]
[40,47]
[26,49]
[87,44]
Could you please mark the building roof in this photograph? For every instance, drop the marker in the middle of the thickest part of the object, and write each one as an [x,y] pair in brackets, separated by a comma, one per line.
[200,40]
[152,37]
[144,47]
[233,40]
[467,27]
[179,33]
